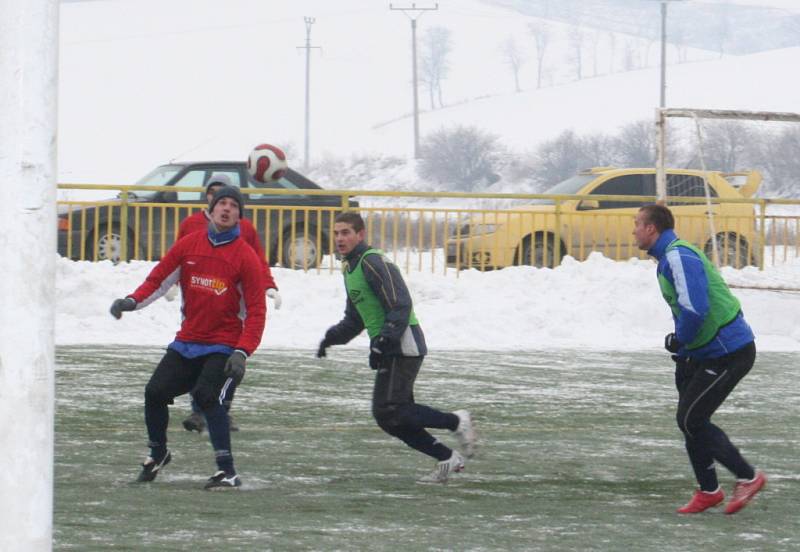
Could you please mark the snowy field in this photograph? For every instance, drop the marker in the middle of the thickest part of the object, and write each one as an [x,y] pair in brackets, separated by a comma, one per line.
[578,451]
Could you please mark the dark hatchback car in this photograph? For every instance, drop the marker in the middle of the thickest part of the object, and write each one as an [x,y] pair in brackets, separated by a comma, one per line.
[295,227]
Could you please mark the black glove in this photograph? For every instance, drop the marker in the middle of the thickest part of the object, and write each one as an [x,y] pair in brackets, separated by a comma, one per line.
[324,344]
[121,305]
[375,360]
[671,343]
[234,367]
[379,346]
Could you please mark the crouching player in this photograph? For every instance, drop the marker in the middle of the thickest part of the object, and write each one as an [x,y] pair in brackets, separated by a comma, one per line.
[713,348]
[378,300]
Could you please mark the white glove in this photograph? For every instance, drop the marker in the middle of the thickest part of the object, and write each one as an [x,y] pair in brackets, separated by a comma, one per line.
[276,297]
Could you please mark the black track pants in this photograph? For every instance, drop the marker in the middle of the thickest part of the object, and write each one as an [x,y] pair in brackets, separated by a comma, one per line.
[703,385]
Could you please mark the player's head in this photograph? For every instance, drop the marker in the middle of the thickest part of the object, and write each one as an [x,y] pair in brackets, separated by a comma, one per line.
[348,231]
[650,222]
[226,207]
[217,181]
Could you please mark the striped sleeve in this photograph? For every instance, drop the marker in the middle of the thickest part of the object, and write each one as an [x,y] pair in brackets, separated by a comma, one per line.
[691,286]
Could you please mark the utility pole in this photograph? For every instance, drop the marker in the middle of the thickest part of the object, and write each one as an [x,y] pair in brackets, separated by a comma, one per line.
[417,13]
[663,100]
[308,21]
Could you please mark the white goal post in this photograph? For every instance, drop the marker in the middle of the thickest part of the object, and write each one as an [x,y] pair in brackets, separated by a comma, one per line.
[696,114]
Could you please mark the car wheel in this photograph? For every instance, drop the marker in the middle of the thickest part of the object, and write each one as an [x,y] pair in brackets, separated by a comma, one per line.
[539,251]
[733,250]
[109,244]
[300,249]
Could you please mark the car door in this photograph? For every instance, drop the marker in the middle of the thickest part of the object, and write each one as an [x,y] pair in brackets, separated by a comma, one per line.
[608,223]
[692,221]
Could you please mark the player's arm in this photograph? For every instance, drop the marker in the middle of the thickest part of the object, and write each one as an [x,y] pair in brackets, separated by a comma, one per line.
[689,279]
[163,276]
[255,303]
[250,235]
[386,281]
[347,328]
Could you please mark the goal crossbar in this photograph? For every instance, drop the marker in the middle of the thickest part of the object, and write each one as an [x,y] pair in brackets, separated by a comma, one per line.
[663,113]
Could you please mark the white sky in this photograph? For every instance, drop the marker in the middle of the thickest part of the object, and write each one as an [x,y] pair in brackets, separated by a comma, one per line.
[597,304]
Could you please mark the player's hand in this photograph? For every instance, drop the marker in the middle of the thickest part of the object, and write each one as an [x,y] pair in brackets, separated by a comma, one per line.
[671,343]
[121,305]
[380,346]
[273,294]
[234,367]
[321,350]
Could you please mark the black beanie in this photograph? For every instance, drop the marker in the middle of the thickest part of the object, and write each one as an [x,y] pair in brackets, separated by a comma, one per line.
[231,192]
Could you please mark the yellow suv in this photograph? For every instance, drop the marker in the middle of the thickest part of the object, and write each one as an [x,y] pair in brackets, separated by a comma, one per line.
[540,234]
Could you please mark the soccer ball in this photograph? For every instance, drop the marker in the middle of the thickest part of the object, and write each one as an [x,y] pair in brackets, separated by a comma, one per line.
[267,163]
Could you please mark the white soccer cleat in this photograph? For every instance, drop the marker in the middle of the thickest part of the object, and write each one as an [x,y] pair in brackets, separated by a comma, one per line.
[465,433]
[443,469]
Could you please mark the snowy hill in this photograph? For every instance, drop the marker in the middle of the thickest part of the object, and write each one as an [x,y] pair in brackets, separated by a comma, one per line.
[203,79]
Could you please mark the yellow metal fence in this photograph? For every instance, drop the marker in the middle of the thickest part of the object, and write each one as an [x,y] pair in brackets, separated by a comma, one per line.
[506,230]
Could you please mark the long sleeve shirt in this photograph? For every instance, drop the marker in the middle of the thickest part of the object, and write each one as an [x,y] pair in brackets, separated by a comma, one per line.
[221,287]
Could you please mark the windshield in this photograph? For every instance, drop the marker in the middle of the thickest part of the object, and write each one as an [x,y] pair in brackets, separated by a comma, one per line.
[569,186]
[157,177]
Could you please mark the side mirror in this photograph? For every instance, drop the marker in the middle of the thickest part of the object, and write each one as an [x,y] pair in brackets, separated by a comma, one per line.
[588,204]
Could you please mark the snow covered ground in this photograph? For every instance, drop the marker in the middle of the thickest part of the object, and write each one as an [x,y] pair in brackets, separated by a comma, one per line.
[596,304]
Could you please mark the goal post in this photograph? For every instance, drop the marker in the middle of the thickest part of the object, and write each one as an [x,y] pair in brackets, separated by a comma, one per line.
[28,134]
[662,114]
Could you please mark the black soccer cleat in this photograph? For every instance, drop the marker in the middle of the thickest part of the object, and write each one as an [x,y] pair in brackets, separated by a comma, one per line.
[150,468]
[221,481]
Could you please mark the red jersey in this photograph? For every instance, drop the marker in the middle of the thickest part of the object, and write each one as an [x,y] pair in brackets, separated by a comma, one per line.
[199,221]
[221,287]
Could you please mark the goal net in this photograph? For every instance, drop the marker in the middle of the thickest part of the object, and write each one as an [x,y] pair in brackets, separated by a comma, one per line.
[753,151]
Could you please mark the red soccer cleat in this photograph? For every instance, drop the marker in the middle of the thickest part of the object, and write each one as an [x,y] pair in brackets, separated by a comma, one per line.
[744,491]
[702,501]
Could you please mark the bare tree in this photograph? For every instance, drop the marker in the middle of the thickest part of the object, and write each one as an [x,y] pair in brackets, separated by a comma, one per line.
[726,144]
[635,145]
[630,59]
[777,157]
[612,51]
[462,156]
[593,39]
[577,38]
[434,65]
[541,33]
[514,58]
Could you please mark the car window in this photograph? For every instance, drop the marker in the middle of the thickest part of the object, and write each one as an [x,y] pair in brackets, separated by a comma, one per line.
[629,184]
[199,178]
[280,184]
[159,176]
[685,185]
[194,178]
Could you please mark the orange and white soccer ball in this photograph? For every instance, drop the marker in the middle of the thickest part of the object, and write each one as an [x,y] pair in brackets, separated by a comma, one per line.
[267,163]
